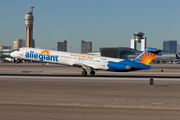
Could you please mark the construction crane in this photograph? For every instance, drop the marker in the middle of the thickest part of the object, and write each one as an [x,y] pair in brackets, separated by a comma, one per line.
[32,7]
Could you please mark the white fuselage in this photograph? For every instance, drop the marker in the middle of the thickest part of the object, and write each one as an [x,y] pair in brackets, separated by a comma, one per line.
[50,56]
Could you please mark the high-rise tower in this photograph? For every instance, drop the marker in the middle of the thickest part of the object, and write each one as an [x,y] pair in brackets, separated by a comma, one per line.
[28,19]
[86,47]
[170,45]
[62,46]
[138,38]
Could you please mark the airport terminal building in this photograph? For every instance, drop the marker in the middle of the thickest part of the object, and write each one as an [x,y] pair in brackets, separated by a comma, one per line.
[129,53]
[119,52]
[5,55]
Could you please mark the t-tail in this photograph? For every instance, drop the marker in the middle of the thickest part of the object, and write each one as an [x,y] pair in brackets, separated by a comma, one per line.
[147,56]
[177,57]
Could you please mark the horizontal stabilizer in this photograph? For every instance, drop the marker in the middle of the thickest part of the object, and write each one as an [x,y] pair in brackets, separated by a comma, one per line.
[153,50]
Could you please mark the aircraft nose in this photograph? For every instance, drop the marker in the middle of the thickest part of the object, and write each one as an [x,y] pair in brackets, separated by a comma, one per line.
[13,54]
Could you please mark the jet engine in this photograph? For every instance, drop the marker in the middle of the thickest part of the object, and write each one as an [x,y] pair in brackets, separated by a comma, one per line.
[118,66]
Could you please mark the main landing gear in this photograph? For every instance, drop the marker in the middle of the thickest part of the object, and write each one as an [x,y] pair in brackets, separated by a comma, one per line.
[84,72]
[92,72]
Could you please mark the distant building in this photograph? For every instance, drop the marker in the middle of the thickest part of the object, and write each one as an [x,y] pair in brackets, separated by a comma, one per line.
[178,48]
[129,54]
[119,52]
[86,47]
[22,43]
[62,46]
[5,47]
[5,54]
[138,38]
[33,43]
[170,45]
[28,19]
[15,45]
[95,53]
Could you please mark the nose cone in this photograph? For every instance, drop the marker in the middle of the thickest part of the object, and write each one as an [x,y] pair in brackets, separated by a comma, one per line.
[11,54]
[14,54]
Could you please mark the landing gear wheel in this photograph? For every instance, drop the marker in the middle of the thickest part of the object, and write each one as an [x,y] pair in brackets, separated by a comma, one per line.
[92,72]
[84,73]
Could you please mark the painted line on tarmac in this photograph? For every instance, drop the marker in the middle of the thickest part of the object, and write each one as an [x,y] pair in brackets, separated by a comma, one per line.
[86,78]
[99,72]
[88,105]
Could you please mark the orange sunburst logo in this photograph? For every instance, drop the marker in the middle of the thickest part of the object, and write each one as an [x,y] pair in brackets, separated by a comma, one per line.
[146,58]
[45,52]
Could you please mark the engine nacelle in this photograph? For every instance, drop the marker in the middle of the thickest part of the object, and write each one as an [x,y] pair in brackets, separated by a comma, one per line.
[118,66]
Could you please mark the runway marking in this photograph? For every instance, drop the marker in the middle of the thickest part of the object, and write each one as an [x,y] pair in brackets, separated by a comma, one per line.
[86,78]
[155,103]
[88,105]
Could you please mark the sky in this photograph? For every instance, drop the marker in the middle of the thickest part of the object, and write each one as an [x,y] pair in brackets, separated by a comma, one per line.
[106,23]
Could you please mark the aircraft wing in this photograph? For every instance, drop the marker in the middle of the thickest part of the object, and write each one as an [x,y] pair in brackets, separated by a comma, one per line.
[84,66]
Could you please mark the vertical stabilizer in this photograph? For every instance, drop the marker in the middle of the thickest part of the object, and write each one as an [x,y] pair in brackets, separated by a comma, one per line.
[147,56]
[177,56]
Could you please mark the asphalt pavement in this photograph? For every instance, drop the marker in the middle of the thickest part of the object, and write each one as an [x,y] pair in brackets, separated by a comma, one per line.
[60,92]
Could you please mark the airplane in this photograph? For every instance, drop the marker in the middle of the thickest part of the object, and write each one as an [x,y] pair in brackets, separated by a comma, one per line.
[88,62]
[177,60]
[177,56]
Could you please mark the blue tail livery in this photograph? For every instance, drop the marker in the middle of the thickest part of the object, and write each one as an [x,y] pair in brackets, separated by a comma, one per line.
[147,56]
[139,63]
